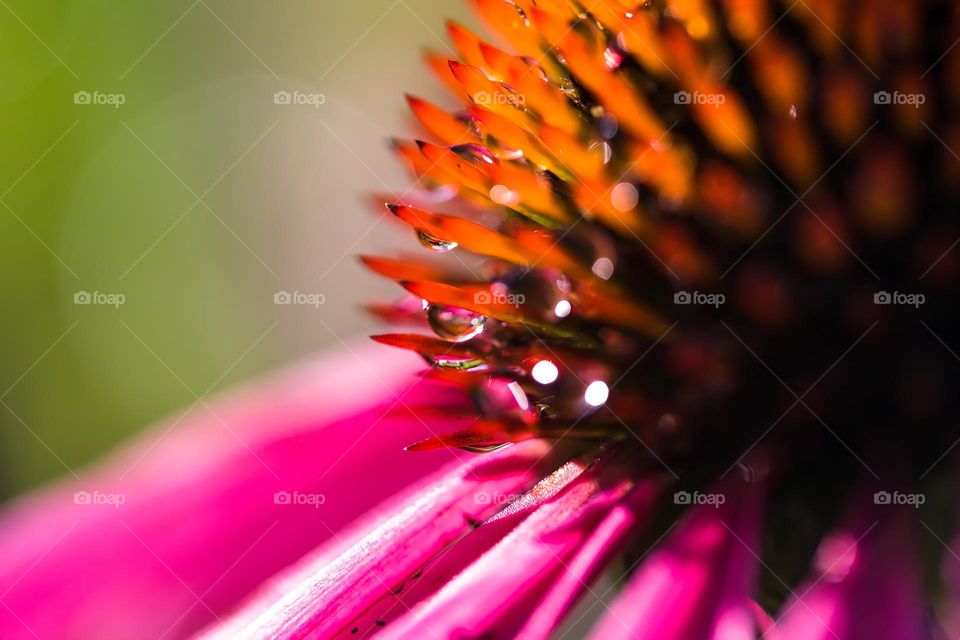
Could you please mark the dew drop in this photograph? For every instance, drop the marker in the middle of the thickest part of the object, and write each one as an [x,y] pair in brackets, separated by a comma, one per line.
[433,243]
[502,194]
[608,125]
[545,372]
[624,196]
[453,323]
[457,364]
[473,153]
[603,268]
[596,393]
[612,58]
[602,148]
[484,448]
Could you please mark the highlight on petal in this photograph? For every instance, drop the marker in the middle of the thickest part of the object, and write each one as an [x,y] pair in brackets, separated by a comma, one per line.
[356,581]
[865,584]
[173,530]
[581,516]
[700,582]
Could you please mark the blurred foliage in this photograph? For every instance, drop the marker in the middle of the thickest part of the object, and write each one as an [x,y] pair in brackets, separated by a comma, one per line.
[196,199]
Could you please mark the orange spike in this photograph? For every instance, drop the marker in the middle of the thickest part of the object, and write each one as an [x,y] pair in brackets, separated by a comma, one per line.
[466,43]
[448,129]
[577,158]
[447,163]
[473,297]
[469,235]
[511,136]
[500,63]
[440,66]
[526,192]
[401,269]
[427,346]
[612,90]
[510,22]
[637,33]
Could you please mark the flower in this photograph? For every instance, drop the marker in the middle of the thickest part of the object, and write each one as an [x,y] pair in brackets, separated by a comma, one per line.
[709,340]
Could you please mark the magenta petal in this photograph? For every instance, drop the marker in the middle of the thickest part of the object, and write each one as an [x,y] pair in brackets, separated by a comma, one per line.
[330,590]
[199,526]
[537,564]
[699,583]
[865,584]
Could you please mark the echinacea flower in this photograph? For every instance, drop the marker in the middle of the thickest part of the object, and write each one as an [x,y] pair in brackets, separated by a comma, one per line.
[699,288]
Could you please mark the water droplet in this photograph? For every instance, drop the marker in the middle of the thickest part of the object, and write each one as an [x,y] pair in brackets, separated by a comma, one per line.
[505,153]
[502,194]
[545,372]
[433,243]
[596,393]
[836,556]
[603,148]
[453,323]
[624,196]
[458,364]
[473,153]
[484,448]
[603,268]
[563,309]
[505,399]
[609,125]
[612,58]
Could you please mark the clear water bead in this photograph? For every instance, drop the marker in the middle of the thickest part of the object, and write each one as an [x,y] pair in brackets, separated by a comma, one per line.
[453,323]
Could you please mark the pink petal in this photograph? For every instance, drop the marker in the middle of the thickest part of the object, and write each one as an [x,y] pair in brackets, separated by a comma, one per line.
[346,585]
[864,585]
[546,561]
[699,583]
[198,527]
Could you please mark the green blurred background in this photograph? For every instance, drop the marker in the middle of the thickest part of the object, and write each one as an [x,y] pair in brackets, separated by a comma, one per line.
[196,199]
